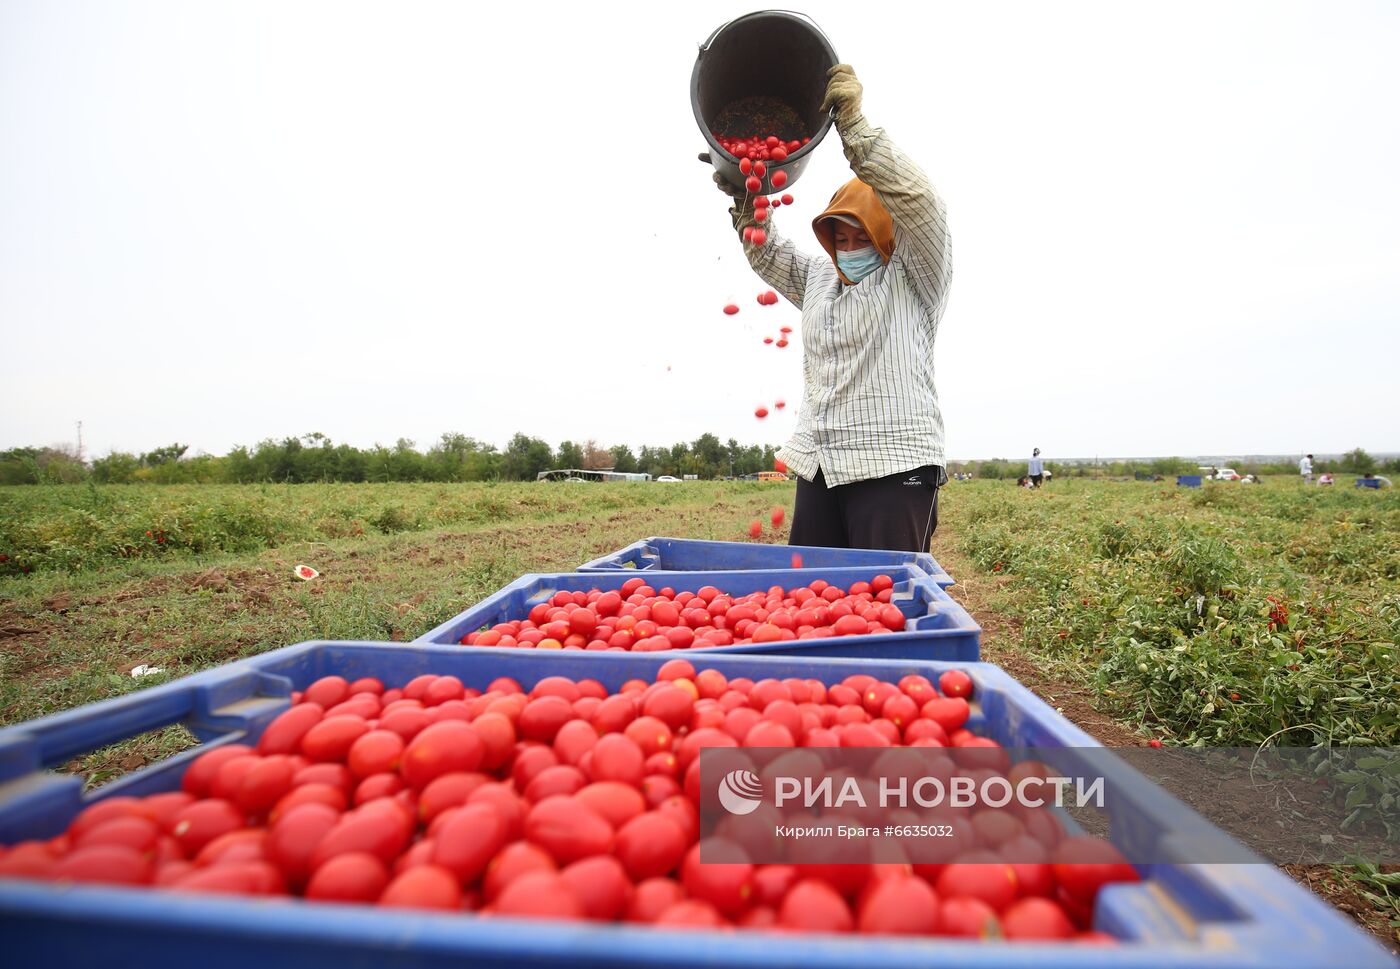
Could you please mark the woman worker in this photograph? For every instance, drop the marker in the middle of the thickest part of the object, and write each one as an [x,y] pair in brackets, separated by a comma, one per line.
[868,448]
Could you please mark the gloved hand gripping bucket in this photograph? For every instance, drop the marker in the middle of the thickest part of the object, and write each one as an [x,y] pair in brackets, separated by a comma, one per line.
[777,55]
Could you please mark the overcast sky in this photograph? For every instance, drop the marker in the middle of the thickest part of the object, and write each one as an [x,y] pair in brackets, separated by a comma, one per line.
[1174,225]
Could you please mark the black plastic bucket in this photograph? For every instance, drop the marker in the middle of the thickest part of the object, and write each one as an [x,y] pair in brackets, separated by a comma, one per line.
[778,54]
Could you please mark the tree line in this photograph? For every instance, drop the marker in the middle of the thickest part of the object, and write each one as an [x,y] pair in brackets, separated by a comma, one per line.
[314,458]
[457,457]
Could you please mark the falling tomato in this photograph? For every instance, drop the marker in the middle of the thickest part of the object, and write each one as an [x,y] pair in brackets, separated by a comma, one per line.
[779,404]
[796,561]
[778,516]
[767,339]
[730,309]
[787,199]
[779,179]
[760,412]
[783,342]
[755,528]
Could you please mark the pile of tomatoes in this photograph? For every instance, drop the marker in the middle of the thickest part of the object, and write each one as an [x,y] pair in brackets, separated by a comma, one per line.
[564,802]
[761,147]
[639,618]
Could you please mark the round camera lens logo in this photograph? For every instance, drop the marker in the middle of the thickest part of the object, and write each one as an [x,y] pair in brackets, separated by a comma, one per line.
[741,792]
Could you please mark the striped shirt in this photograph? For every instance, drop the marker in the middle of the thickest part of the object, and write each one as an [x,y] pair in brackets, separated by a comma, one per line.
[869,407]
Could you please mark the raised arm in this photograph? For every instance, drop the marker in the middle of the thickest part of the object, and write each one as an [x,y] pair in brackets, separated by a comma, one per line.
[920,220]
[778,262]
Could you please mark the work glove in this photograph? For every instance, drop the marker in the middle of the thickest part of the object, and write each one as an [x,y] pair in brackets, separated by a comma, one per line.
[843,92]
[742,210]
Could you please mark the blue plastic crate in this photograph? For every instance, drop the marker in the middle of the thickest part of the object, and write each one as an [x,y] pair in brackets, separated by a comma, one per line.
[937,626]
[1188,481]
[1369,483]
[660,554]
[1199,916]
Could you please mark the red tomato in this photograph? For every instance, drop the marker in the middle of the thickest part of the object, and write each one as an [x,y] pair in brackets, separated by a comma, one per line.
[424,886]
[950,713]
[324,794]
[201,822]
[671,705]
[497,735]
[327,691]
[407,722]
[264,784]
[725,881]
[111,863]
[651,845]
[240,878]
[601,885]
[509,805]
[955,683]
[616,757]
[377,786]
[969,918]
[568,829]
[1036,918]
[542,717]
[574,739]
[1084,864]
[814,906]
[379,831]
[616,802]
[441,690]
[331,739]
[28,859]
[560,779]
[691,913]
[448,791]
[514,860]
[899,905]
[652,897]
[137,833]
[771,883]
[542,895]
[443,748]
[162,808]
[353,877]
[650,734]
[469,840]
[992,883]
[198,776]
[283,735]
[295,836]
[245,844]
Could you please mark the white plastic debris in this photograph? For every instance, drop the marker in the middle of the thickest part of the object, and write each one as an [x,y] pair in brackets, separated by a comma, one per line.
[144,670]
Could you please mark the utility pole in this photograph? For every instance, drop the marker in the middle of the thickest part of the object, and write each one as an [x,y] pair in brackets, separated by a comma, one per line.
[80,442]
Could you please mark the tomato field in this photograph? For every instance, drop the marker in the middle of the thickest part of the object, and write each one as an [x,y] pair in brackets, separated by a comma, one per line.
[1228,616]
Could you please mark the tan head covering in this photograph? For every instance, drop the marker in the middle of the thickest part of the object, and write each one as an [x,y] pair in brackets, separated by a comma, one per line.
[857,204]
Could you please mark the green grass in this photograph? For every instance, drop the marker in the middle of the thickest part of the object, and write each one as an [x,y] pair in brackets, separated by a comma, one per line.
[1226,615]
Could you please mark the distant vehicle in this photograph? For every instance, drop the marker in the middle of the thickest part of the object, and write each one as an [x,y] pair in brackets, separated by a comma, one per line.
[576,480]
[667,477]
[772,476]
[1219,474]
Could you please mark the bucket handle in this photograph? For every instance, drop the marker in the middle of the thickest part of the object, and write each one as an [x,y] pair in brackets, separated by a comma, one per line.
[796,13]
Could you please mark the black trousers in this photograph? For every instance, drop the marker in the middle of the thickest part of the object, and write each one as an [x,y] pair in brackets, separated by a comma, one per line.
[898,512]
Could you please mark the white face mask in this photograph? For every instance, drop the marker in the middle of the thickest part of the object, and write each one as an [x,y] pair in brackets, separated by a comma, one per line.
[858,263]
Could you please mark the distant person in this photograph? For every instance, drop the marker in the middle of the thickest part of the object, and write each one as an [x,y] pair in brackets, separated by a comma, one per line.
[1305,469]
[1325,479]
[1036,471]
